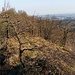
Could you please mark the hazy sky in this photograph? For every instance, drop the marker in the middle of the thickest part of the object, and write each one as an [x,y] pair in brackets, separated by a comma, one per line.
[43,6]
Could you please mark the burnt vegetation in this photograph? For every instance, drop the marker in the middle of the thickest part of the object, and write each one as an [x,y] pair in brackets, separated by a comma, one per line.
[24,48]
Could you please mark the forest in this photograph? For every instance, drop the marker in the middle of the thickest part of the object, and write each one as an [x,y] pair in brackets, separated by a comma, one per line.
[32,45]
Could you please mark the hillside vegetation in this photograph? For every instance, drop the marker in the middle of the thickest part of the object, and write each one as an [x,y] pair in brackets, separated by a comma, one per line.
[31,45]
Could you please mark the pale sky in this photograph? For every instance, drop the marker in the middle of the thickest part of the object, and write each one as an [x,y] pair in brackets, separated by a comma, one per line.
[42,7]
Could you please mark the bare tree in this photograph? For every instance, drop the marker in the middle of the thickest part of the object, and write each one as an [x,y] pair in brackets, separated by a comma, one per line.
[66,30]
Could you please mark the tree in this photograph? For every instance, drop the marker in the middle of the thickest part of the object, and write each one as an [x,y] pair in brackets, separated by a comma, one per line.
[66,30]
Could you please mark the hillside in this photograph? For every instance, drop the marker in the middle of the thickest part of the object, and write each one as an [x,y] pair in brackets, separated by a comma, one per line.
[34,46]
